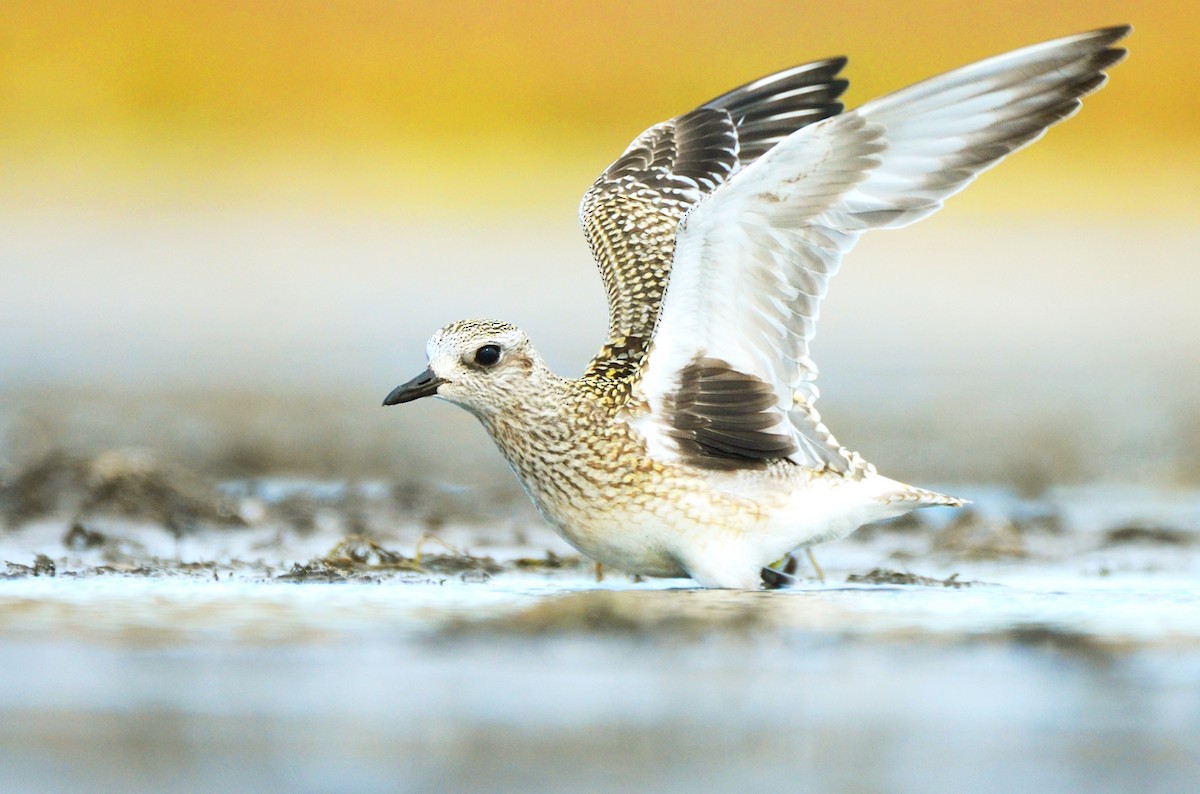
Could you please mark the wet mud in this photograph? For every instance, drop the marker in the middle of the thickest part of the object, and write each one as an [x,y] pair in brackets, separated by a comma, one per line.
[125,513]
[370,634]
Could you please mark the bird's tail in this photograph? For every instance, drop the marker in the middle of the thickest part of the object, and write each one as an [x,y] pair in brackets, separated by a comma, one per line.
[919,497]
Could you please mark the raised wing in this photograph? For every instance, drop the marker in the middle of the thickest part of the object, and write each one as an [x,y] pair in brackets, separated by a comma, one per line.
[631,213]
[730,381]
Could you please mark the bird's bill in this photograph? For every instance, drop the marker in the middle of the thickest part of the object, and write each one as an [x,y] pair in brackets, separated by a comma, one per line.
[424,385]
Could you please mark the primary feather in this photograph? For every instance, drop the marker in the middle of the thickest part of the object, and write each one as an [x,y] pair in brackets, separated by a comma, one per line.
[632,211]
[753,258]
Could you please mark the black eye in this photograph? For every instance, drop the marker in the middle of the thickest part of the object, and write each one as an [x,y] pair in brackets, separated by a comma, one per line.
[487,355]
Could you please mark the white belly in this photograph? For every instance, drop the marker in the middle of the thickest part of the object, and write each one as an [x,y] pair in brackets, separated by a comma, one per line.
[723,533]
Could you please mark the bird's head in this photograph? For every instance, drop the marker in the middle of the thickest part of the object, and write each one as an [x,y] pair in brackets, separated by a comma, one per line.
[481,365]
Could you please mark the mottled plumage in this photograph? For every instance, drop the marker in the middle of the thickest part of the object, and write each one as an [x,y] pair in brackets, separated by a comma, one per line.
[691,445]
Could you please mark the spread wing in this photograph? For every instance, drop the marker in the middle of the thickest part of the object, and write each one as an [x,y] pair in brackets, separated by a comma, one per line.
[729,382]
[631,213]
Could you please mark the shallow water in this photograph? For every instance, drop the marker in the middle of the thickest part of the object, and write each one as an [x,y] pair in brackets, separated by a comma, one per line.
[184,685]
[1069,661]
[180,685]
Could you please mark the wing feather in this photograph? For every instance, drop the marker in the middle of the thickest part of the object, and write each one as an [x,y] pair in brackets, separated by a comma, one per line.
[632,212]
[753,260]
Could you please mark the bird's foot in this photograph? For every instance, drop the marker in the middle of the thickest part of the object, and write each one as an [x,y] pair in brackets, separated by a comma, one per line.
[776,580]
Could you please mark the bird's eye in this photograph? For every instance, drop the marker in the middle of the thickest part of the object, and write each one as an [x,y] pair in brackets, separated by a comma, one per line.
[487,355]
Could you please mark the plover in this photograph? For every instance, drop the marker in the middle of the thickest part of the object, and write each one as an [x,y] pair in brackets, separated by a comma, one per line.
[691,445]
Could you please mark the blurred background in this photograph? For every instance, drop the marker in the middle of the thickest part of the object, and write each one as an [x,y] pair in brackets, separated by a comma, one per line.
[227,229]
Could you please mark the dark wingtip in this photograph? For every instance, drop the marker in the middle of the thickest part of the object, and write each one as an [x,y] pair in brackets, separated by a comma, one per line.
[1118,32]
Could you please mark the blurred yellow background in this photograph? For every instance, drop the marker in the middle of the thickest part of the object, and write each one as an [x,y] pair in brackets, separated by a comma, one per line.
[511,106]
[284,199]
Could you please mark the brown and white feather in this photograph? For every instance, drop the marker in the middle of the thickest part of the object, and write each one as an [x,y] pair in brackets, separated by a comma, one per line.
[754,258]
[631,213]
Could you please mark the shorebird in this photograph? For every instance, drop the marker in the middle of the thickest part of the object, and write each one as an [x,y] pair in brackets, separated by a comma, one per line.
[691,445]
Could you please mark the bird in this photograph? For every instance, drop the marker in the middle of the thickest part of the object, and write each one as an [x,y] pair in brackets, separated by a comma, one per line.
[691,446]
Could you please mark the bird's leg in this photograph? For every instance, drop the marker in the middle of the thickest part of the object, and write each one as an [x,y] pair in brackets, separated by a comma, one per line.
[599,572]
[813,561]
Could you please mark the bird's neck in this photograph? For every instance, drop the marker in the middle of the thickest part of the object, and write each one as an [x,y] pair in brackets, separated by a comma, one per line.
[549,441]
[532,419]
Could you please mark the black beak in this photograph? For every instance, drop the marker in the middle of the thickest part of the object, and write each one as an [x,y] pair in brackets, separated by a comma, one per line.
[423,385]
